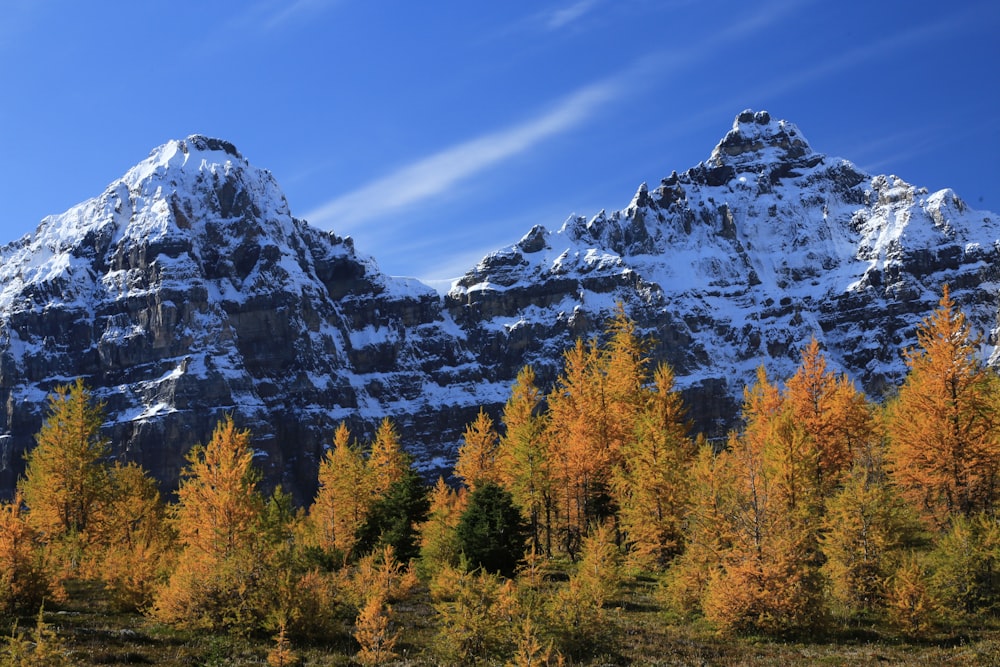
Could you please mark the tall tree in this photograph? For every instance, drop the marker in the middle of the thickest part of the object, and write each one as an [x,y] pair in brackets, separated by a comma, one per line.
[477,456]
[651,483]
[579,443]
[65,479]
[387,462]
[943,431]
[219,520]
[710,533]
[217,504]
[624,361]
[767,507]
[344,496]
[524,461]
[831,411]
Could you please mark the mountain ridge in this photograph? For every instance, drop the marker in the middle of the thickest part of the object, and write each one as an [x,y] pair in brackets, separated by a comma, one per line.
[188,289]
[764,245]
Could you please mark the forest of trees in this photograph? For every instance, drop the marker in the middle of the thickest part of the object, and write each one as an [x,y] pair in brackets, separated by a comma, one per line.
[823,508]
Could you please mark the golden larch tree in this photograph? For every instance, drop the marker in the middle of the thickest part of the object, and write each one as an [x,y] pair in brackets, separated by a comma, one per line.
[866,526]
[439,545]
[375,633]
[23,583]
[135,538]
[944,441]
[830,410]
[344,496]
[477,455]
[624,361]
[769,578]
[217,502]
[651,483]
[65,478]
[524,462]
[709,534]
[579,443]
[219,521]
[387,462]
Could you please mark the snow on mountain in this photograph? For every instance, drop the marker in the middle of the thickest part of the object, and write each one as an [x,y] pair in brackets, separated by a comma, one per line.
[187,290]
[738,262]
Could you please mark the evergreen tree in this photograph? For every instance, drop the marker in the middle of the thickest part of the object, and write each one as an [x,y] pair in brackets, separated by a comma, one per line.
[491,532]
[394,519]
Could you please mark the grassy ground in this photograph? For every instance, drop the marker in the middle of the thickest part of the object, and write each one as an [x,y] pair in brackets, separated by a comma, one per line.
[91,633]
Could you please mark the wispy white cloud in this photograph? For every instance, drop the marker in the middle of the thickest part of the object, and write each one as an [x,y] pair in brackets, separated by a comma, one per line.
[392,199]
[895,149]
[560,18]
[267,16]
[437,173]
[283,12]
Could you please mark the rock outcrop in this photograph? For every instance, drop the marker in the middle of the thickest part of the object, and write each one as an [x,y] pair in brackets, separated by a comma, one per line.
[187,290]
[738,262]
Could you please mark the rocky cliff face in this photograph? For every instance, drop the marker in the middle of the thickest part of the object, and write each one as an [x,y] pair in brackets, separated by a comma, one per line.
[188,290]
[738,262]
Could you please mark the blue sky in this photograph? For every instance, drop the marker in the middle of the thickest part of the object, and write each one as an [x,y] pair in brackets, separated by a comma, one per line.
[434,132]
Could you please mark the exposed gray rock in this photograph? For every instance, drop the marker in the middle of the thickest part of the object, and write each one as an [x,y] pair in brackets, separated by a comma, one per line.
[187,290]
[739,261]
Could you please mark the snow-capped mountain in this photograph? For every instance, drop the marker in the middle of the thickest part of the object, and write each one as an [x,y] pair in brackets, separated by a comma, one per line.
[738,262]
[188,290]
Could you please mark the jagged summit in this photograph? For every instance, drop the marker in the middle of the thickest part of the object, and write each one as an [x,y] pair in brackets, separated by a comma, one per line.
[188,290]
[739,261]
[193,154]
[756,137]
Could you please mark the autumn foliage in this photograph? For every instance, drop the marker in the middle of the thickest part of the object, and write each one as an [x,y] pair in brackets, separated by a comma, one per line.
[822,508]
[943,434]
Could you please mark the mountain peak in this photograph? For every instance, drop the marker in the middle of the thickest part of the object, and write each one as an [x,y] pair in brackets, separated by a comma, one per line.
[201,143]
[757,137]
[197,150]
